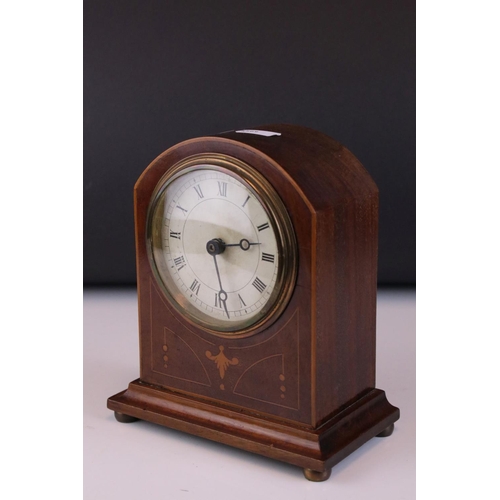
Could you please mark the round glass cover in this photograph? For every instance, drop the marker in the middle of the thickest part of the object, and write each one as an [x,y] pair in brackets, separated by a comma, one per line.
[222,246]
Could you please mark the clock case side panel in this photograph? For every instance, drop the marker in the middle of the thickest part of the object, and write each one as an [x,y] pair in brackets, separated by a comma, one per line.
[153,312]
[346,295]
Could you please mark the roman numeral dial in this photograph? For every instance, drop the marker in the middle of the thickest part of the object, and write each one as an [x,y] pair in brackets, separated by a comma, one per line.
[219,247]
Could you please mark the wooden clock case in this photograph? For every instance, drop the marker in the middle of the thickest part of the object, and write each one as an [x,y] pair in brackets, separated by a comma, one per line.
[303,389]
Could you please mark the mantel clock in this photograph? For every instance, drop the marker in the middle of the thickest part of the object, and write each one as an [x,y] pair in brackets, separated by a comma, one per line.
[257,274]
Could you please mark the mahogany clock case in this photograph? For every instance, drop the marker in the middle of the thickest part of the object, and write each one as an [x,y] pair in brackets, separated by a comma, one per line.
[303,389]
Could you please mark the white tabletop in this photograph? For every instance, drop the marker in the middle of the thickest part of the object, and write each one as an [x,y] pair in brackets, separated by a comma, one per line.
[143,461]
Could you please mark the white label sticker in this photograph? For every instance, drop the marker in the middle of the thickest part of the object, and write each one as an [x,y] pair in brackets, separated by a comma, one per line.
[266,133]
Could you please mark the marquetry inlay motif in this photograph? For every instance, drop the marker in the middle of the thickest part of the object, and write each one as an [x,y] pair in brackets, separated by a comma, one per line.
[222,362]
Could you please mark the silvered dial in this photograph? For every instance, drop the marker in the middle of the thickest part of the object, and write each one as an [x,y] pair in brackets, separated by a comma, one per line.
[216,248]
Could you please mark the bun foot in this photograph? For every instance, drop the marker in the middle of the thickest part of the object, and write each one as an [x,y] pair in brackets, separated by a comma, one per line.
[386,432]
[314,475]
[124,419]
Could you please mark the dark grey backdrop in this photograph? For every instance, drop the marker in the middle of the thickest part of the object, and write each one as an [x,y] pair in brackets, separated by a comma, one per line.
[158,72]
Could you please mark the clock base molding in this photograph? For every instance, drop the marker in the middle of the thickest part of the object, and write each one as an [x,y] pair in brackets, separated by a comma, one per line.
[315,450]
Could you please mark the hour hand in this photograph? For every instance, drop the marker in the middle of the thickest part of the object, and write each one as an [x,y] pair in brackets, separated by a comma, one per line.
[244,244]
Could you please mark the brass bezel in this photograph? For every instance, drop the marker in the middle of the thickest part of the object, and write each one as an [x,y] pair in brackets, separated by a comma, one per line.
[279,219]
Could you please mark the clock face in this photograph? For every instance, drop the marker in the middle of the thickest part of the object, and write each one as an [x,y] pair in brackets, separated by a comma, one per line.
[220,245]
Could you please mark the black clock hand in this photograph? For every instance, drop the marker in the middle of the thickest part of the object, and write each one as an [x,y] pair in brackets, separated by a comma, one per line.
[222,293]
[215,247]
[244,244]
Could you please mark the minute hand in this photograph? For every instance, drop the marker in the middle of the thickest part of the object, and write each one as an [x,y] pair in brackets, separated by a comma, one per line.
[222,293]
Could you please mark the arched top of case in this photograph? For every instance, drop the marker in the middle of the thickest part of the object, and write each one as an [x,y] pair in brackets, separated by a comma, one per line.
[321,170]
[326,171]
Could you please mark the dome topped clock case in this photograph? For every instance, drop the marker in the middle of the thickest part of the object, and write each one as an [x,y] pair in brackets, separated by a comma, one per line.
[257,266]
